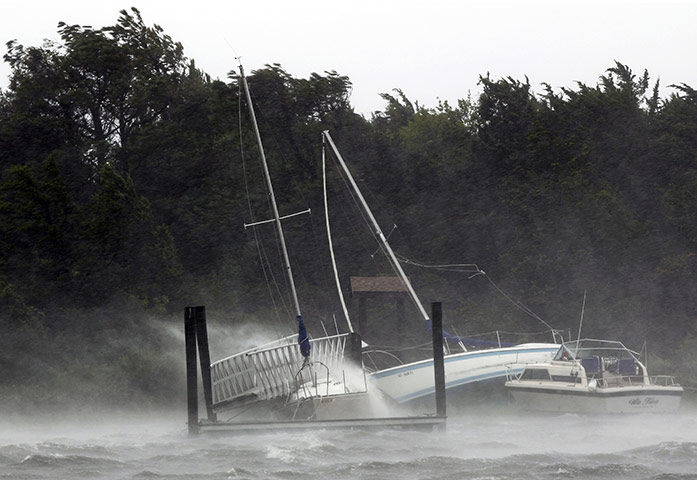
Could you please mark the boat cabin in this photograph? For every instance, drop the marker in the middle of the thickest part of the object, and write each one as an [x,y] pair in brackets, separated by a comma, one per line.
[594,376]
[602,363]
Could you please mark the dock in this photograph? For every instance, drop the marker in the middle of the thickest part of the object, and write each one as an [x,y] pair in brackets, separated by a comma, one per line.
[195,332]
[426,423]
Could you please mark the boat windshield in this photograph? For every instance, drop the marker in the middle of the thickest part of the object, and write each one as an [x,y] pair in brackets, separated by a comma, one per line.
[564,354]
[581,349]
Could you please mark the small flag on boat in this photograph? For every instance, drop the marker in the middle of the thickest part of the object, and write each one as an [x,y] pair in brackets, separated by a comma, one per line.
[303,341]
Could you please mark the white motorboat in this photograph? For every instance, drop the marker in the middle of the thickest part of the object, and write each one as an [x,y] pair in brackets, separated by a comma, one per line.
[594,376]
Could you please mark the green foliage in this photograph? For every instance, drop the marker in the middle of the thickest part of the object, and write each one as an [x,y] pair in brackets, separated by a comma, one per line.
[122,184]
[120,240]
[36,230]
[86,253]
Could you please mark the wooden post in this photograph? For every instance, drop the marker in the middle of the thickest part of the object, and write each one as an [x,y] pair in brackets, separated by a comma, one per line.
[205,360]
[354,345]
[400,325]
[191,369]
[362,316]
[438,361]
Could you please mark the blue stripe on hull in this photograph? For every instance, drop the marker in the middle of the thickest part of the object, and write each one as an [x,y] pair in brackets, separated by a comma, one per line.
[455,358]
[457,383]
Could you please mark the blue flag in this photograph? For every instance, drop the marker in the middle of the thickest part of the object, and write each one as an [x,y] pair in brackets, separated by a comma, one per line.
[303,341]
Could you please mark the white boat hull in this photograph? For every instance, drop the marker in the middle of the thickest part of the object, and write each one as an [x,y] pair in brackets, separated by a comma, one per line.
[578,399]
[412,381]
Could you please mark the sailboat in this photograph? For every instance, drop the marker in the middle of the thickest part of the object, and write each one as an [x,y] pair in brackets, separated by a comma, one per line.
[412,382]
[296,374]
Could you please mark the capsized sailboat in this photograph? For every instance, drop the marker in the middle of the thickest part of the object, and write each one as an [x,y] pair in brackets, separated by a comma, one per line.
[295,374]
[413,381]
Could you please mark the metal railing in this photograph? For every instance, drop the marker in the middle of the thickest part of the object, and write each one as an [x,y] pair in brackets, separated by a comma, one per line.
[635,380]
[275,371]
[664,381]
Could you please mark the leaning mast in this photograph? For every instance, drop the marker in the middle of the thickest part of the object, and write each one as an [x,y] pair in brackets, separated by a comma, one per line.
[378,231]
[269,186]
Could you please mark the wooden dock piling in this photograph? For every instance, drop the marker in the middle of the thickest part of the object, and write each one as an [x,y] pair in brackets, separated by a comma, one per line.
[191,372]
[438,356]
[205,360]
[195,333]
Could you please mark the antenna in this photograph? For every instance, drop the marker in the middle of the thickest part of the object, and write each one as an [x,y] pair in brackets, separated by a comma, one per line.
[580,326]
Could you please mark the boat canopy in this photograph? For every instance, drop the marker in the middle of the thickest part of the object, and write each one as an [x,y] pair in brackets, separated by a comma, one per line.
[589,348]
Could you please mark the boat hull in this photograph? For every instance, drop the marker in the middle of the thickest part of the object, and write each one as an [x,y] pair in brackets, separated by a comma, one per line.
[414,381]
[578,399]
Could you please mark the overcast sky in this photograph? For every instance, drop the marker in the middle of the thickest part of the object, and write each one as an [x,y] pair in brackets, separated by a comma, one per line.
[430,48]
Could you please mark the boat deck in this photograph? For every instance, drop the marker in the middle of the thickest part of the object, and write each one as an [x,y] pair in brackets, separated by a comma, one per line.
[428,423]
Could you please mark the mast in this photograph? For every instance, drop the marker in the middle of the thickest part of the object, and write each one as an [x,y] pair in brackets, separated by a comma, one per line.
[329,236]
[269,186]
[381,236]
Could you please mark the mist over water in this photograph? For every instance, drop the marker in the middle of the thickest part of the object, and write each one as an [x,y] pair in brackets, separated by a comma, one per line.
[481,445]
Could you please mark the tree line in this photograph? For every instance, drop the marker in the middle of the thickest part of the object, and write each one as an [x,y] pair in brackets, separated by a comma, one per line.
[127,175]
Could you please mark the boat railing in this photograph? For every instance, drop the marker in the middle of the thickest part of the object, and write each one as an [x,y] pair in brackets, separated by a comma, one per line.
[618,380]
[636,380]
[664,381]
[632,380]
[494,339]
[512,373]
[275,371]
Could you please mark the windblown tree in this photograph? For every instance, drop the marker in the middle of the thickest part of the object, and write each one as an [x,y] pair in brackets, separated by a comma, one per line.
[101,84]
[70,112]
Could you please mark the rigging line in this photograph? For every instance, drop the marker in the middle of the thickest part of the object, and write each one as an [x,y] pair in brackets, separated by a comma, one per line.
[517,304]
[376,201]
[257,241]
[475,335]
[360,237]
[454,267]
[544,332]
[392,268]
[363,215]
[369,227]
[353,196]
[323,270]
[279,153]
[394,227]
[394,263]
[261,251]
[359,233]
[280,294]
[279,243]
[462,267]
[238,58]
[399,348]
[271,283]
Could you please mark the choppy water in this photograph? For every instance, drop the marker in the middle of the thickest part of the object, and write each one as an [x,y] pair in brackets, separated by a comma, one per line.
[475,446]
